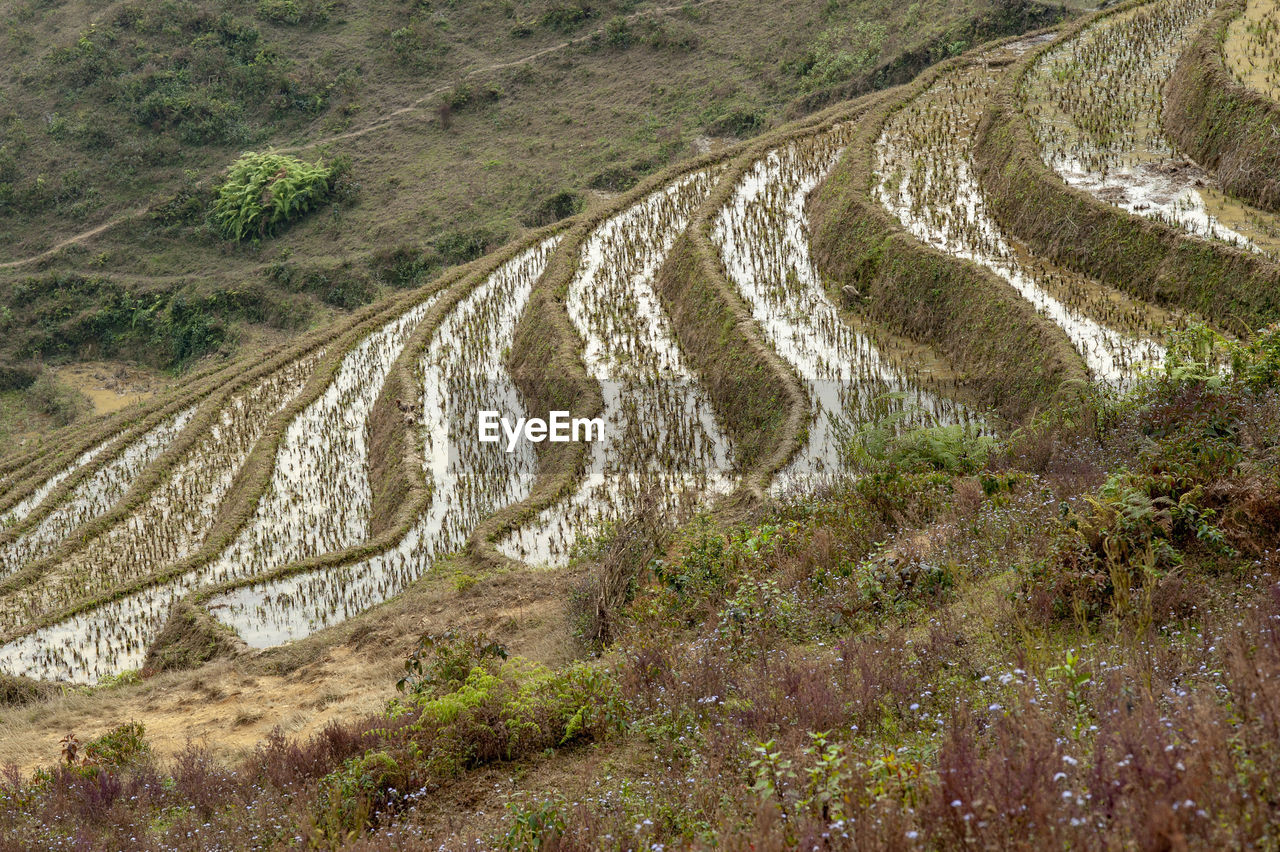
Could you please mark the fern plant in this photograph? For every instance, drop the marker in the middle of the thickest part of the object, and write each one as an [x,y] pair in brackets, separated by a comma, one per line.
[263,193]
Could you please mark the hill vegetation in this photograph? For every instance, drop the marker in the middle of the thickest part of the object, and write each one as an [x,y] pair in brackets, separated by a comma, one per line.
[935,654]
[937,505]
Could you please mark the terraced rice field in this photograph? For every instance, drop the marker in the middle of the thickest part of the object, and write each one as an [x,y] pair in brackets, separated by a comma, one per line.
[661,435]
[1252,47]
[926,179]
[257,501]
[319,473]
[22,508]
[764,248]
[90,497]
[175,519]
[462,373]
[1095,105]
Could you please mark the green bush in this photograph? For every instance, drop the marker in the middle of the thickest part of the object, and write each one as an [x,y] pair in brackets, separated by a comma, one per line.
[295,11]
[119,747]
[566,18]
[57,401]
[463,704]
[559,206]
[263,193]
[886,444]
[738,123]
[1256,362]
[617,33]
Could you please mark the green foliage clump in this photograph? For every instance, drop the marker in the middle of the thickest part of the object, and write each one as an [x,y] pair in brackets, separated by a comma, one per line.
[567,17]
[1257,361]
[463,704]
[465,245]
[839,54]
[618,33]
[119,747]
[738,123]
[263,193]
[888,443]
[536,826]
[559,206]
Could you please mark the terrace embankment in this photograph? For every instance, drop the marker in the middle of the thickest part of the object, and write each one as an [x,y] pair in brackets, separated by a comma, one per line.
[1236,289]
[547,370]
[1221,123]
[1009,18]
[394,460]
[1012,359]
[759,399]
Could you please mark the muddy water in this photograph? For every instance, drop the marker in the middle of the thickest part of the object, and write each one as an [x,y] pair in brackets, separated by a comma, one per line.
[20,510]
[926,179]
[1252,48]
[763,240]
[660,435]
[174,520]
[92,496]
[462,374]
[1095,104]
[109,387]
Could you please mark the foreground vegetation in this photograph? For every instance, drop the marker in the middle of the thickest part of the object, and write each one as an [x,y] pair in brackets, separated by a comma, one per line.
[1064,638]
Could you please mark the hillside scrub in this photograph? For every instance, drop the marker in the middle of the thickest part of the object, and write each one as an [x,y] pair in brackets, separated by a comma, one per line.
[1223,124]
[871,666]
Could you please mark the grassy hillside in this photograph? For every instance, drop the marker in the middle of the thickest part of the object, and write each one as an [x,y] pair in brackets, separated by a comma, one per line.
[457,126]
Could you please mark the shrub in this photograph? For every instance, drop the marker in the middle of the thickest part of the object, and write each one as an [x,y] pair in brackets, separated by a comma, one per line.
[465,245]
[566,18]
[55,400]
[1257,361]
[295,11]
[562,205]
[263,193]
[886,443]
[617,33]
[18,376]
[464,704]
[738,123]
[119,747]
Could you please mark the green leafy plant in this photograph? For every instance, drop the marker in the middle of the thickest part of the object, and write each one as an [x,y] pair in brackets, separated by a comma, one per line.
[1257,361]
[264,192]
[535,826]
[827,775]
[773,772]
[1073,681]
